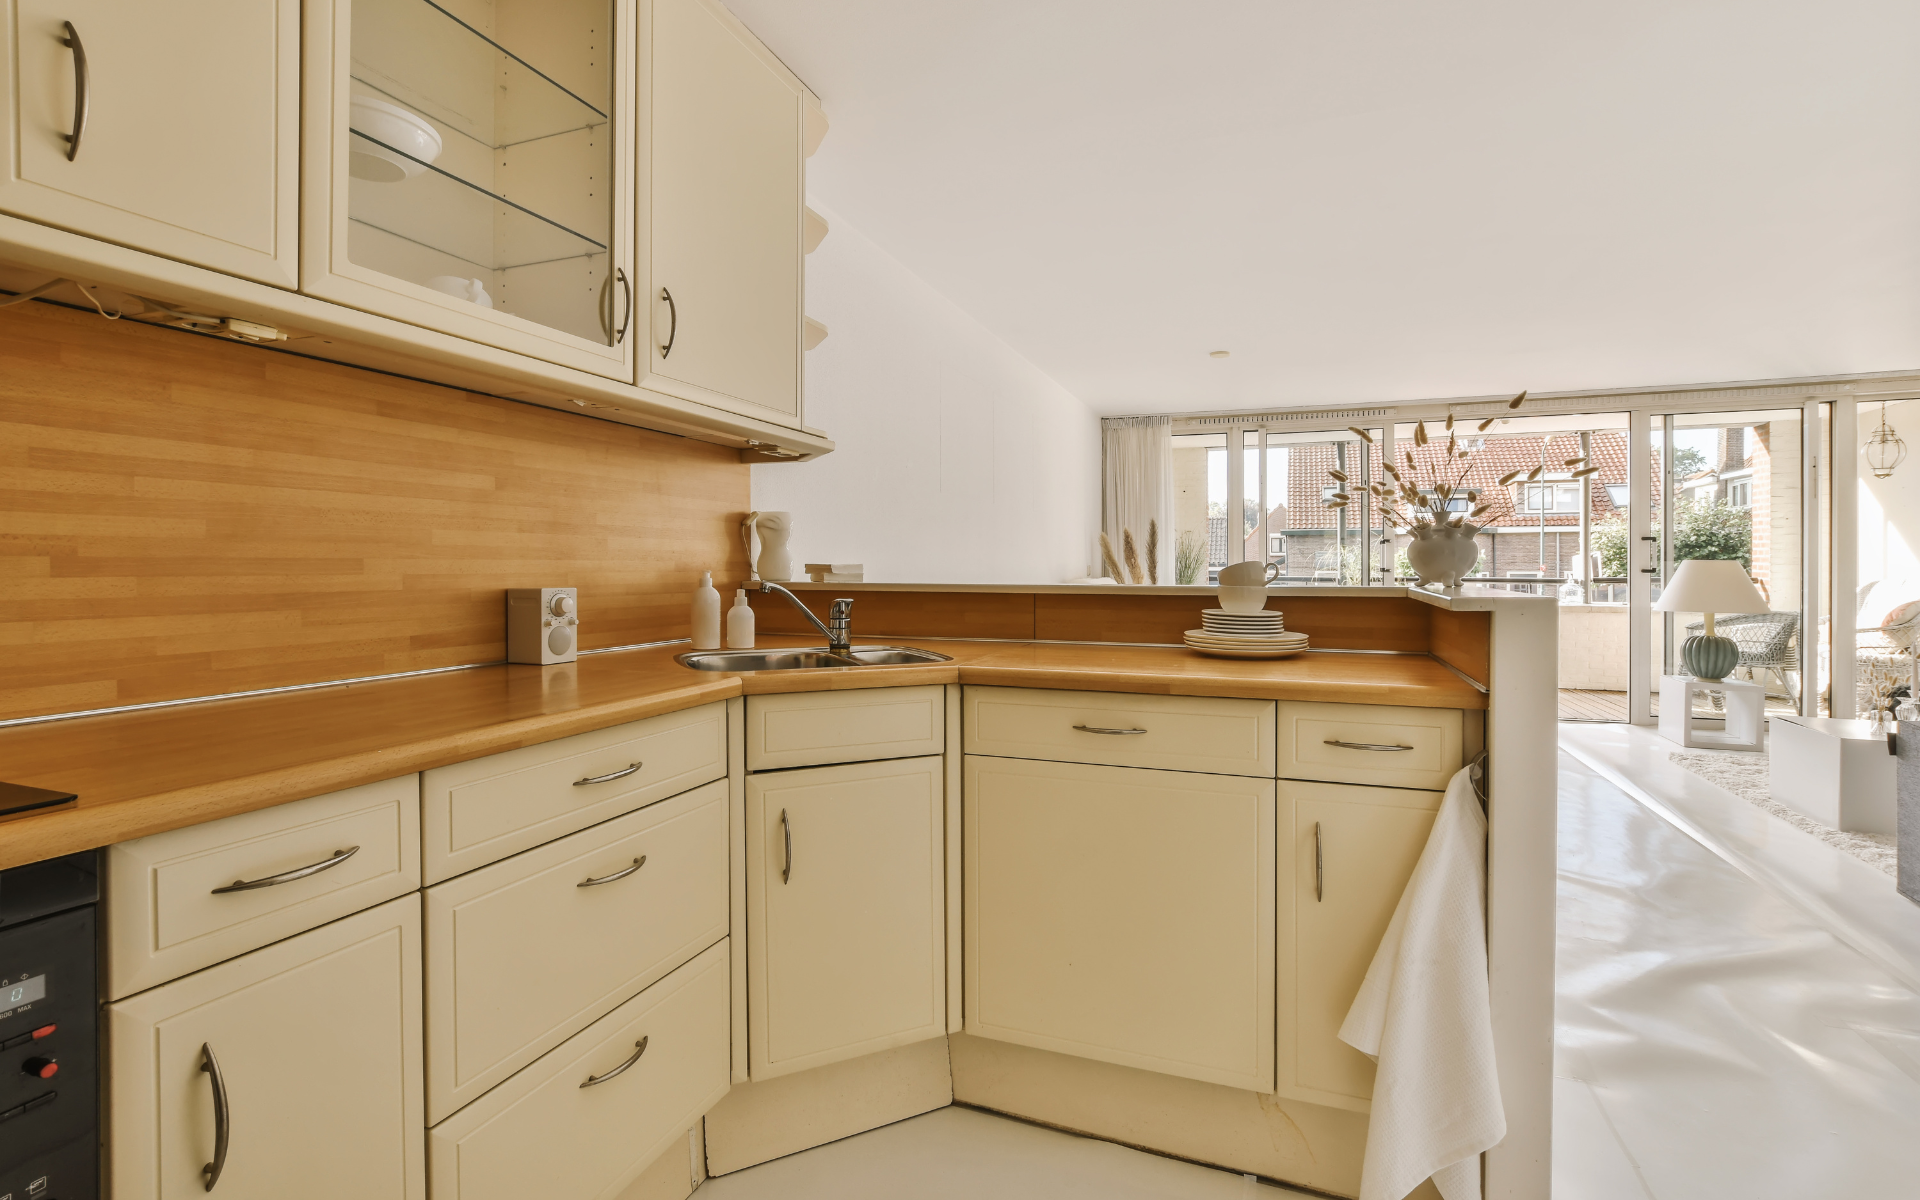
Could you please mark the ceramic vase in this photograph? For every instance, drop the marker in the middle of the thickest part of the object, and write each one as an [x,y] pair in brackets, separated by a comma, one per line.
[1442,555]
[772,529]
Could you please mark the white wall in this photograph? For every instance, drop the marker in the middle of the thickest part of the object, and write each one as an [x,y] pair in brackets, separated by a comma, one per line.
[958,460]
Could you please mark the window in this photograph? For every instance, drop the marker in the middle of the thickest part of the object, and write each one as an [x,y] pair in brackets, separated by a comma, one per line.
[1276,546]
[1617,493]
[1327,492]
[1454,503]
[1551,497]
[1740,493]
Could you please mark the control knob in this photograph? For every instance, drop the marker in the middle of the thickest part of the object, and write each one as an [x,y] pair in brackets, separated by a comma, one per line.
[41,1068]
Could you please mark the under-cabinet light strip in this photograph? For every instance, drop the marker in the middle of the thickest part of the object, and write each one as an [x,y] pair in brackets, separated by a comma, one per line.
[297,687]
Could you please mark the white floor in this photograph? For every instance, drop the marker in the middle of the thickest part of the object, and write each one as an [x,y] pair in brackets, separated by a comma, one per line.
[1716,1039]
[960,1154]
[1713,1041]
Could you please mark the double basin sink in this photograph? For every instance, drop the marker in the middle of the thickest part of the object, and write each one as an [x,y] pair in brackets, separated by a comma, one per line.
[806,658]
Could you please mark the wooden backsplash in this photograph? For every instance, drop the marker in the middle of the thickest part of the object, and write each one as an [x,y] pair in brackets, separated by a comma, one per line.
[181,516]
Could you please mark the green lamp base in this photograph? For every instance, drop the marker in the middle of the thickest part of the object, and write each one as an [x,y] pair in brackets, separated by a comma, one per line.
[1710,658]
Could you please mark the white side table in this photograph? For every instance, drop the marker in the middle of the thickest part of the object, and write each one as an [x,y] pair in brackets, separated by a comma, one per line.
[1836,771]
[1745,705]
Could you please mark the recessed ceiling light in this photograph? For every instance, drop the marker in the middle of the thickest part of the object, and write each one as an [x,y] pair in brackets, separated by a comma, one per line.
[1218,353]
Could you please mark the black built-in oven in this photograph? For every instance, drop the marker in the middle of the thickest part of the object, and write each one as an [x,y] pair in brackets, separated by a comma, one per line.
[49,1039]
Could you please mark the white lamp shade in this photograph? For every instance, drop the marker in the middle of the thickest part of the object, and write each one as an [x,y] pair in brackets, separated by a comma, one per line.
[1710,585]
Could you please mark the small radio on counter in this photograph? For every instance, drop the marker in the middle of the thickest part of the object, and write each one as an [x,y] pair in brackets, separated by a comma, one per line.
[543,625]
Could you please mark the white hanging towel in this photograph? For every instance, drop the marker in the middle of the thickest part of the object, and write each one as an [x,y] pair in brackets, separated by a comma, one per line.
[1424,1015]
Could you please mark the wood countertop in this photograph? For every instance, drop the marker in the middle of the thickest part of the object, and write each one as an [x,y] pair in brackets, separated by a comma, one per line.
[146,772]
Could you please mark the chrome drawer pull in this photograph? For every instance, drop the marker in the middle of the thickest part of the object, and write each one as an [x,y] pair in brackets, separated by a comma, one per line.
[221,1124]
[640,1048]
[1109,732]
[82,79]
[1365,746]
[1319,867]
[325,864]
[786,833]
[608,778]
[617,875]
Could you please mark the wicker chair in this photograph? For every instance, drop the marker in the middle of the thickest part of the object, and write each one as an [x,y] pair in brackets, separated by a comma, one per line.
[1767,642]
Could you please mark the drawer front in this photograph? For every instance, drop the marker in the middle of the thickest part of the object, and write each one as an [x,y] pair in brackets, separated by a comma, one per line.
[543,1134]
[521,956]
[1173,733]
[810,729]
[477,812]
[167,914]
[1370,744]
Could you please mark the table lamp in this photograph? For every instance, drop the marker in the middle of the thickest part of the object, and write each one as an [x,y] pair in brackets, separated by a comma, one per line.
[1708,586]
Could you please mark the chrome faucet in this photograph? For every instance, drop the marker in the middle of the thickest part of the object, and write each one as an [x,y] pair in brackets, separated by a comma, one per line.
[839,627]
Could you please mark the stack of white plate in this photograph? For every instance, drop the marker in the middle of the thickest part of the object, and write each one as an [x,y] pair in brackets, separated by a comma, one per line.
[1244,635]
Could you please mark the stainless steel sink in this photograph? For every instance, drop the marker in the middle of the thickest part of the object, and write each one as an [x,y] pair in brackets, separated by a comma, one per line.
[806,658]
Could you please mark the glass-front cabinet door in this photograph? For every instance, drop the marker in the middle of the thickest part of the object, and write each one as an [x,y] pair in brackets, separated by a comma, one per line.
[469,170]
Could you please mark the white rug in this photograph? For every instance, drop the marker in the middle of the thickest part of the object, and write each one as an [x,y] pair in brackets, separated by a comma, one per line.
[1745,775]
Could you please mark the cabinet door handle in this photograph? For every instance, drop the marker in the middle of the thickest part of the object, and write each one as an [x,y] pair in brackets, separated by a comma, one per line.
[1109,732]
[80,81]
[673,322]
[786,835]
[626,289]
[1375,746]
[221,1124]
[616,876]
[640,1047]
[325,864]
[608,777]
[1319,867]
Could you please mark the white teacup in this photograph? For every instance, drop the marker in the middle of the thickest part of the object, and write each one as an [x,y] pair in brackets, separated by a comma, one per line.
[1249,574]
[1243,599]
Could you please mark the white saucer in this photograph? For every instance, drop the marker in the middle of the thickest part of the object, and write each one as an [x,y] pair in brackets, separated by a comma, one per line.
[1249,640]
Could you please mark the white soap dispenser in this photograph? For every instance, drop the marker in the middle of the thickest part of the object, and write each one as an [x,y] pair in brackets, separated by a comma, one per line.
[740,622]
[706,614]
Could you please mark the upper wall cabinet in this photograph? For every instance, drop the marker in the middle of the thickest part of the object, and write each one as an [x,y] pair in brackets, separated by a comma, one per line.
[469,169]
[720,215]
[168,128]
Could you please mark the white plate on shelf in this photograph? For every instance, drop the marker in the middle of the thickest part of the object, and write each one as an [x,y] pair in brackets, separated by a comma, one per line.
[1222,652]
[1246,639]
[1220,626]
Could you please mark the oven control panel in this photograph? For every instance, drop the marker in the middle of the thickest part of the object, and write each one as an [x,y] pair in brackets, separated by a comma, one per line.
[49,1068]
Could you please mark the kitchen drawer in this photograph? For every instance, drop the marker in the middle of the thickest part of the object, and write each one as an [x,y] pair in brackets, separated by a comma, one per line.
[545,1133]
[477,812]
[1172,733]
[1383,746]
[166,914]
[810,729]
[522,955]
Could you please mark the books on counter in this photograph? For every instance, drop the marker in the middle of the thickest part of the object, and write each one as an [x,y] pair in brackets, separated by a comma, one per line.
[836,572]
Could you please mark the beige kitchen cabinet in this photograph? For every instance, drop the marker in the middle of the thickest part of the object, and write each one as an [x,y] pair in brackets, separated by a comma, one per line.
[1122,914]
[473,173]
[525,953]
[1378,744]
[813,729]
[585,1120]
[721,231]
[1214,735]
[302,1060]
[846,912]
[1347,853]
[187,119]
[188,898]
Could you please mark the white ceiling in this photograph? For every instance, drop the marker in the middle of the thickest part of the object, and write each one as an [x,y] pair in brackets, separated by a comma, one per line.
[1371,201]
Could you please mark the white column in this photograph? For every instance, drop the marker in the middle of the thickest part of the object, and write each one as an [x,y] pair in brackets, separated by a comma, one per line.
[1640,555]
[1811,454]
[1844,470]
[1236,495]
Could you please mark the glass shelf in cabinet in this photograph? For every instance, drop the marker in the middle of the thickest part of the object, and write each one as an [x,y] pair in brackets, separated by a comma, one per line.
[441,212]
[422,56]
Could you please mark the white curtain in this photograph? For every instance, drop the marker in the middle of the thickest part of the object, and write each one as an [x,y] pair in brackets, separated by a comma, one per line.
[1137,486]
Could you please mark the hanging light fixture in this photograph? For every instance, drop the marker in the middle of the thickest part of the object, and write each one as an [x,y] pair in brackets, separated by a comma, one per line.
[1884,449]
